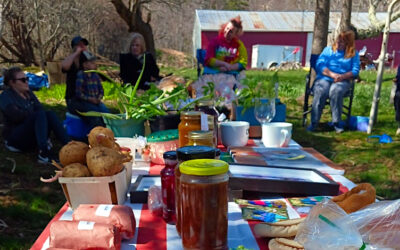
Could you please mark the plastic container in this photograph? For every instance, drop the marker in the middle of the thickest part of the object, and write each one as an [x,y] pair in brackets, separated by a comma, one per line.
[161,142]
[95,190]
[204,189]
[168,186]
[201,138]
[185,154]
[190,121]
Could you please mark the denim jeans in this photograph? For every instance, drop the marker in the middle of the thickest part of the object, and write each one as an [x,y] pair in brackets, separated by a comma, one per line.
[74,105]
[35,130]
[323,90]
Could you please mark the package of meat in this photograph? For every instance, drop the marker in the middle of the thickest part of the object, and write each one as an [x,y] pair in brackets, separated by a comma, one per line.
[118,215]
[84,235]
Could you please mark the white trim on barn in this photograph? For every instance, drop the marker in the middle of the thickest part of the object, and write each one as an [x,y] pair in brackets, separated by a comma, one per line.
[275,21]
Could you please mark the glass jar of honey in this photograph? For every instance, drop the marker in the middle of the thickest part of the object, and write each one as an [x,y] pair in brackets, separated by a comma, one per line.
[201,138]
[190,121]
[185,154]
[204,194]
[207,107]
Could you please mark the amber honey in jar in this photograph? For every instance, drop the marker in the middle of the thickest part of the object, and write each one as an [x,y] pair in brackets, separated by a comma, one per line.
[185,154]
[190,121]
[201,138]
[204,201]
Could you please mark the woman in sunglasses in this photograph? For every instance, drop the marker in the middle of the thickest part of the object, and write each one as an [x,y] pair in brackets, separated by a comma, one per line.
[26,124]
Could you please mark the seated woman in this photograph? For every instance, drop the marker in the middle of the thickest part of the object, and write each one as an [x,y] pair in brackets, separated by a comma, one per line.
[336,67]
[131,64]
[226,53]
[88,92]
[27,124]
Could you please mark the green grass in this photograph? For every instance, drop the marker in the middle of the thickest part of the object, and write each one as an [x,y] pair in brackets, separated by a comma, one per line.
[27,205]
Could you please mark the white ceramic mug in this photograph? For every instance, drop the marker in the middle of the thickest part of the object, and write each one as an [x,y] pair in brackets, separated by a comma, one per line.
[234,133]
[276,134]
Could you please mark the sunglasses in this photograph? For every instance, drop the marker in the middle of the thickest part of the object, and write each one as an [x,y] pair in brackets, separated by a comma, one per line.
[23,79]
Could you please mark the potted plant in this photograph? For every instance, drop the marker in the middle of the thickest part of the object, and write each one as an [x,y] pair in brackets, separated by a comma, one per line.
[257,88]
[135,108]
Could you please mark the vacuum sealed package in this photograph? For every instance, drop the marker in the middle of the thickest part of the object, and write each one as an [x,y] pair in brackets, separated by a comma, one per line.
[379,224]
[84,235]
[328,227]
[118,215]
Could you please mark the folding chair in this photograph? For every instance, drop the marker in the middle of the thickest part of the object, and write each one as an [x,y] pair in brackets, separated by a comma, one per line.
[309,92]
[201,57]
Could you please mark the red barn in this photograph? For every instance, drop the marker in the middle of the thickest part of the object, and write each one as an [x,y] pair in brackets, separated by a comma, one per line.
[287,29]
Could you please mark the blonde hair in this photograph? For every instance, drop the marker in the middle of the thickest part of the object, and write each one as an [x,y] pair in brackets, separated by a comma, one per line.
[348,37]
[137,37]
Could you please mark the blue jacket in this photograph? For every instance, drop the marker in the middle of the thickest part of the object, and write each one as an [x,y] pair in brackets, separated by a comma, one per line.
[336,62]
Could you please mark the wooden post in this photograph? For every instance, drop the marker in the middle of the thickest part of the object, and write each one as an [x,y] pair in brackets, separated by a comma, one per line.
[373,116]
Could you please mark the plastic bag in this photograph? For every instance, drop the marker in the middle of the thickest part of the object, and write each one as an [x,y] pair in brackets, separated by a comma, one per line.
[379,224]
[328,227]
[154,200]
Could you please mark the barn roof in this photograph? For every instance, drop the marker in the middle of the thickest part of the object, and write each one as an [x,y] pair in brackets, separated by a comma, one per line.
[285,21]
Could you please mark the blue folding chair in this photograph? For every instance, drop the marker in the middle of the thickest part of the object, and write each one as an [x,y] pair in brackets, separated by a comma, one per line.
[201,57]
[307,107]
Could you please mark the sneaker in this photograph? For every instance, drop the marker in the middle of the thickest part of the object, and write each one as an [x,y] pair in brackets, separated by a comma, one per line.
[338,128]
[312,127]
[11,148]
[46,158]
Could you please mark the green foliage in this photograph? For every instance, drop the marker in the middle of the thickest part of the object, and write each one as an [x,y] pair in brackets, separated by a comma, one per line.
[255,88]
[236,5]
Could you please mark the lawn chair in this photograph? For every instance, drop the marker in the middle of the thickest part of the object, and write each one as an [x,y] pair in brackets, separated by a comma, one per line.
[309,92]
[201,58]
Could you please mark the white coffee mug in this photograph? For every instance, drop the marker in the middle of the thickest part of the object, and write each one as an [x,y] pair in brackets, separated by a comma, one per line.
[276,134]
[234,133]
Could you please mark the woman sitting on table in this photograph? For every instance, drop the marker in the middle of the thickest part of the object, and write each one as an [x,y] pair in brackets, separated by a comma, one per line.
[27,124]
[226,53]
[336,67]
[131,64]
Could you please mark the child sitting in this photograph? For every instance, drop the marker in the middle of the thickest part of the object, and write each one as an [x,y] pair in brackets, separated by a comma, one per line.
[88,91]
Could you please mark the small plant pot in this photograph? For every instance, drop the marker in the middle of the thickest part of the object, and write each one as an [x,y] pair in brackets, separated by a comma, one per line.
[125,127]
[165,122]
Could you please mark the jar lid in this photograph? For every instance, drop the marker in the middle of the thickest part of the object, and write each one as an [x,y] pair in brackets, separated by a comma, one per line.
[204,167]
[191,114]
[165,135]
[195,152]
[200,134]
[205,102]
[170,155]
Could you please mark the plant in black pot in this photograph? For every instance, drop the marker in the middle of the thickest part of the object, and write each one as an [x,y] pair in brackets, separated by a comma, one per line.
[135,108]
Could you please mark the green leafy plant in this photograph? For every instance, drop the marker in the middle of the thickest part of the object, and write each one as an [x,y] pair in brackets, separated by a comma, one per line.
[144,106]
[256,88]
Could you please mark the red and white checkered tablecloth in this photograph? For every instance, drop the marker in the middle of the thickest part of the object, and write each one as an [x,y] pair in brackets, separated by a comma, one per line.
[153,233]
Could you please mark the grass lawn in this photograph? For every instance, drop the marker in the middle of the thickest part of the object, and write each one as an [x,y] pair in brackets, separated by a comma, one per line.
[27,205]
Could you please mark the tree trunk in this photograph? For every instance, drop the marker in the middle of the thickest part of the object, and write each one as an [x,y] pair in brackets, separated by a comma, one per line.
[320,35]
[133,18]
[345,21]
[373,117]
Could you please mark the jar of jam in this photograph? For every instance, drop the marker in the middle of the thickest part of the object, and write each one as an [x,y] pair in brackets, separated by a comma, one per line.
[168,186]
[190,121]
[204,193]
[201,138]
[185,154]
[207,107]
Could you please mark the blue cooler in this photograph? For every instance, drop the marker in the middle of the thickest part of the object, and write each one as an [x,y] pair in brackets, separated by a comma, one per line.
[76,127]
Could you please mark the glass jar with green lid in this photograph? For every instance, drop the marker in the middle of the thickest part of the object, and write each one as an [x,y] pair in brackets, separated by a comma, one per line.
[204,192]
[201,138]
